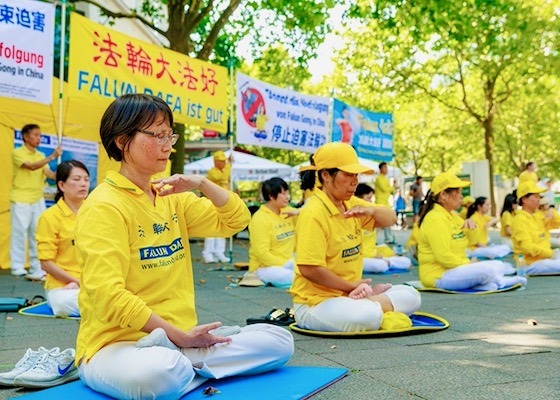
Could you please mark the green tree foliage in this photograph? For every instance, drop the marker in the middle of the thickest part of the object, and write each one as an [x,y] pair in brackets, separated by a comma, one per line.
[469,56]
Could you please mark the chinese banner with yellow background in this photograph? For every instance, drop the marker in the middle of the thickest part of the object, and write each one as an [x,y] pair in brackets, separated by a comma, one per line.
[105,64]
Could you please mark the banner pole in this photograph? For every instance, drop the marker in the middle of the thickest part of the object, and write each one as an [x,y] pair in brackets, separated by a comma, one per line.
[232,97]
[62,53]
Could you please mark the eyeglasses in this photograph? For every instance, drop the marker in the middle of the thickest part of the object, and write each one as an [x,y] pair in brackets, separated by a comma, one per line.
[162,137]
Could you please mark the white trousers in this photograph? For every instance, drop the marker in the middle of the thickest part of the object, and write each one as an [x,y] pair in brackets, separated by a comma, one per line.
[277,276]
[343,314]
[124,371]
[482,275]
[491,251]
[24,219]
[64,302]
[543,267]
[214,246]
[380,265]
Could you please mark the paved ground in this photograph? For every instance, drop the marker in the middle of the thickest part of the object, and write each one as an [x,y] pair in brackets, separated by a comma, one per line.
[489,352]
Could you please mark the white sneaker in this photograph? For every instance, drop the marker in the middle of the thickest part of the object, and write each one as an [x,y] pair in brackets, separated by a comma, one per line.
[55,368]
[221,257]
[209,259]
[36,276]
[28,361]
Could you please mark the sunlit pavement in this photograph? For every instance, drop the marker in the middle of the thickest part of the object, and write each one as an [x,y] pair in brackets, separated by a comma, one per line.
[492,350]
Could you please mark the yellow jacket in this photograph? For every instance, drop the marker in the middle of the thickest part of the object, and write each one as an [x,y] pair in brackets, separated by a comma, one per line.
[383,190]
[136,259]
[529,237]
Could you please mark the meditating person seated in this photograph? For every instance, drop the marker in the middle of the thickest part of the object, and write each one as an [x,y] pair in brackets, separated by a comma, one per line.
[506,218]
[139,336]
[529,233]
[272,235]
[328,292]
[377,259]
[551,220]
[465,204]
[442,244]
[479,243]
[55,239]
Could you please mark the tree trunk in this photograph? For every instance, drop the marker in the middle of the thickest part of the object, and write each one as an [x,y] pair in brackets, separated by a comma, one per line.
[488,125]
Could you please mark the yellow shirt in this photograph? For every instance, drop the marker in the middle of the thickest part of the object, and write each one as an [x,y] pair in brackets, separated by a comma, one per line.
[442,244]
[55,241]
[528,235]
[528,176]
[505,220]
[326,239]
[272,238]
[220,177]
[548,223]
[27,185]
[413,238]
[480,233]
[369,247]
[136,260]
[383,190]
[463,212]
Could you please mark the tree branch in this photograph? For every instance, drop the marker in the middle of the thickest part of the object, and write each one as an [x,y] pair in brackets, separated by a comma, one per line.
[464,100]
[203,13]
[131,15]
[206,50]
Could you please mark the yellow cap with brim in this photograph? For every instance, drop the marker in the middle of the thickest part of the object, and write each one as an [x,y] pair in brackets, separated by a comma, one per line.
[529,187]
[219,155]
[447,180]
[339,155]
[467,200]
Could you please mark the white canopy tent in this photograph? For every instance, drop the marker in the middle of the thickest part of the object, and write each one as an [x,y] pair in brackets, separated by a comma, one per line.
[245,167]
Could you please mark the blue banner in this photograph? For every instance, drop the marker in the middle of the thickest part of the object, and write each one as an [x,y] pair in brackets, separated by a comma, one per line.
[370,133]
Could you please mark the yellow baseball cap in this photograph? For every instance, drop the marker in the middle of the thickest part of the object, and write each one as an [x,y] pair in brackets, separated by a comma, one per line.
[467,200]
[447,180]
[339,155]
[529,187]
[219,155]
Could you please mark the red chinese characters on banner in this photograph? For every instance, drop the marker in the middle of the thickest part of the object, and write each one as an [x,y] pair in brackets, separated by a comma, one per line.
[138,60]
[110,59]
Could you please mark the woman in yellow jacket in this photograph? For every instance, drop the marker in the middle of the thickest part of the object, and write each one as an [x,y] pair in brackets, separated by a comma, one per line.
[272,235]
[479,242]
[55,239]
[377,259]
[442,243]
[506,218]
[529,233]
[328,291]
[139,335]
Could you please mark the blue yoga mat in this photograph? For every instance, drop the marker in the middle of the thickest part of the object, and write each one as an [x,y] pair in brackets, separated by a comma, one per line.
[43,310]
[282,384]
[421,323]
[390,271]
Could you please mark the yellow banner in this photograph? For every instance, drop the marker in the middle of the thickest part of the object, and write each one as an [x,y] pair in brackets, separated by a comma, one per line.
[105,64]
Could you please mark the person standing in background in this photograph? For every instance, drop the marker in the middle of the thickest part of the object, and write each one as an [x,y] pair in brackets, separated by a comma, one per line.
[529,174]
[220,174]
[383,190]
[417,196]
[30,167]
